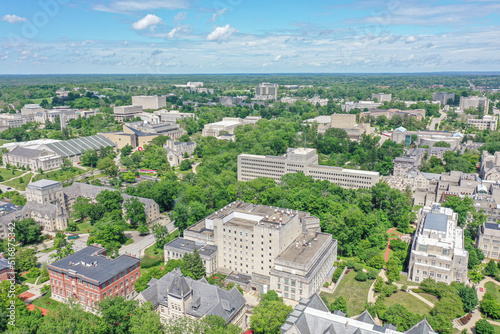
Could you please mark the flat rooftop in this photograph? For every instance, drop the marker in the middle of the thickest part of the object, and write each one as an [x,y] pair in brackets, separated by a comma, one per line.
[189,246]
[304,248]
[43,184]
[436,221]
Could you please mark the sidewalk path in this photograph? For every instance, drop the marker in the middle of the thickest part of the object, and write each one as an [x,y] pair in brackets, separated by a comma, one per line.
[387,250]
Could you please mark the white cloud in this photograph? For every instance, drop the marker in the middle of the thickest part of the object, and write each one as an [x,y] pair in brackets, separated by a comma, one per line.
[411,39]
[178,30]
[121,6]
[13,18]
[221,33]
[218,14]
[180,16]
[149,20]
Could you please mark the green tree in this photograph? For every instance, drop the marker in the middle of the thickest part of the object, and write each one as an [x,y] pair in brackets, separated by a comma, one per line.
[491,269]
[339,304]
[217,325]
[108,166]
[469,297]
[90,158]
[185,165]
[116,313]
[82,208]
[71,319]
[441,144]
[145,320]
[484,327]
[108,233]
[134,211]
[194,264]
[110,200]
[27,231]
[126,150]
[269,316]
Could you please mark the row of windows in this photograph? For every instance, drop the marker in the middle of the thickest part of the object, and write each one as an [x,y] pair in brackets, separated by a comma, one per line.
[433,263]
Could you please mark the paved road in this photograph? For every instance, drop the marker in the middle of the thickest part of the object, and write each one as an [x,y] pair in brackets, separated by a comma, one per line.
[434,121]
[137,248]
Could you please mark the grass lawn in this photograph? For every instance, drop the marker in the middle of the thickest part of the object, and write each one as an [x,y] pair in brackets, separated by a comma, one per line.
[354,292]
[411,303]
[492,288]
[16,184]
[26,279]
[128,242]
[58,175]
[497,329]
[38,101]
[433,299]
[153,251]
[42,302]
[4,141]
[83,227]
[403,279]
[7,173]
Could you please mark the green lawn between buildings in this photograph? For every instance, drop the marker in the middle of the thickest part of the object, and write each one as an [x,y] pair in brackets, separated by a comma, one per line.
[14,183]
[412,304]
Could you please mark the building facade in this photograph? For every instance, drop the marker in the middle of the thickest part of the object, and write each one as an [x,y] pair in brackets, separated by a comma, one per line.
[124,113]
[176,150]
[228,124]
[277,249]
[437,249]
[32,159]
[488,122]
[488,240]
[475,102]
[443,98]
[303,160]
[88,276]
[381,97]
[150,102]
[174,296]
[266,91]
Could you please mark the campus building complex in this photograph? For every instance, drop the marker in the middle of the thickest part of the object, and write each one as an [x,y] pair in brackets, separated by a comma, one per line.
[488,240]
[268,248]
[437,250]
[149,102]
[303,160]
[266,91]
[88,276]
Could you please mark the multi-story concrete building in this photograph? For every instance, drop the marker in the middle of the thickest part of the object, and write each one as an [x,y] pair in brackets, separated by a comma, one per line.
[278,249]
[174,296]
[33,159]
[426,137]
[303,160]
[476,102]
[138,134]
[228,124]
[312,316]
[29,110]
[390,113]
[266,91]
[176,249]
[124,113]
[437,249]
[88,276]
[488,240]
[150,102]
[13,120]
[443,98]
[172,115]
[361,105]
[381,97]
[488,122]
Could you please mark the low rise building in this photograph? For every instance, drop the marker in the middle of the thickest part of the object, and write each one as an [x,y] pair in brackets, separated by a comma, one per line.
[488,122]
[88,276]
[13,120]
[125,113]
[174,296]
[138,134]
[361,105]
[311,315]
[278,249]
[381,97]
[488,240]
[419,114]
[30,110]
[173,115]
[176,249]
[32,159]
[150,102]
[176,150]
[437,249]
[227,125]
[426,137]
[303,160]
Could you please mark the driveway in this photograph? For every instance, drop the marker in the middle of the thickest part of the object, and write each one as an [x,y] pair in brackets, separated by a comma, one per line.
[140,244]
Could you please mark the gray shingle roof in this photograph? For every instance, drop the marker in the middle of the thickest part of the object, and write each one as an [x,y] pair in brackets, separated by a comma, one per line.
[25,152]
[72,147]
[423,327]
[89,263]
[205,300]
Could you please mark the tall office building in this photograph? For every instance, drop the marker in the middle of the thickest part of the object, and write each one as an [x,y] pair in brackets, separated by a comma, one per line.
[475,102]
[150,102]
[266,91]
[443,97]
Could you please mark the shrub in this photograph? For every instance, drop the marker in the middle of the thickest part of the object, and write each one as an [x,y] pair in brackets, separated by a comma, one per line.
[484,327]
[388,290]
[336,274]
[34,272]
[326,284]
[372,273]
[358,267]
[149,261]
[361,276]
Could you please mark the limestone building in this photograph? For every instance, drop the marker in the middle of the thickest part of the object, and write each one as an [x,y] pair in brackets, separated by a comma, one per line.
[443,98]
[475,102]
[33,159]
[437,249]
[381,97]
[150,102]
[138,134]
[488,122]
[172,115]
[488,240]
[228,124]
[277,249]
[303,160]
[124,113]
[176,151]
[266,91]
[174,296]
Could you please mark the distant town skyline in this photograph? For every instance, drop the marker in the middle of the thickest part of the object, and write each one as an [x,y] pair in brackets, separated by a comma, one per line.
[238,36]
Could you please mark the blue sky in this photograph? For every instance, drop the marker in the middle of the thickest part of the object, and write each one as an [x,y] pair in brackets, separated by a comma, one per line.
[242,36]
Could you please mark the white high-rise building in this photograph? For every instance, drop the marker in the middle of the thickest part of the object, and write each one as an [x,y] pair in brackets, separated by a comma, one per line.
[266,91]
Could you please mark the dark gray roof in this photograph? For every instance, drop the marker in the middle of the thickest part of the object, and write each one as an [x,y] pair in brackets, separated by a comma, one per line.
[366,317]
[436,221]
[179,287]
[25,152]
[72,147]
[205,300]
[186,245]
[91,264]
[492,226]
[423,327]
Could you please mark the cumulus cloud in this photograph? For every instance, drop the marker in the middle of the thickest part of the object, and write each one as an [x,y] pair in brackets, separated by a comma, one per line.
[221,33]
[218,14]
[411,39]
[178,30]
[149,20]
[13,18]
[180,16]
